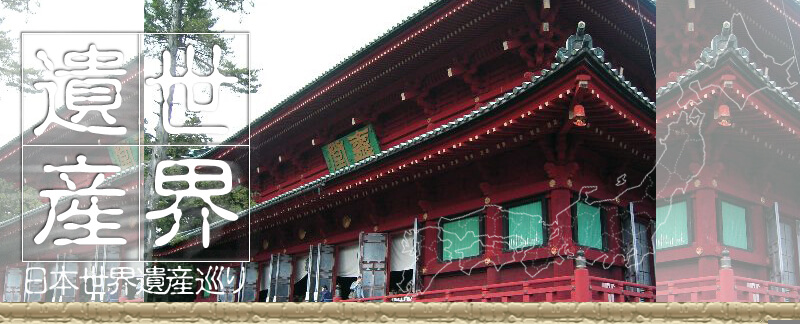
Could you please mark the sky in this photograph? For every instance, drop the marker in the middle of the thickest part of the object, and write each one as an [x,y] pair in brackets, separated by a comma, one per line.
[292,42]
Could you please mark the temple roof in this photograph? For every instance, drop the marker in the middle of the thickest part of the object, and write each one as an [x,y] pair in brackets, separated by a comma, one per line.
[370,50]
[108,181]
[724,48]
[579,49]
[348,61]
[16,141]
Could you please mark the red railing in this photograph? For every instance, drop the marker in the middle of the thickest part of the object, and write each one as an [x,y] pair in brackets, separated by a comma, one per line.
[377,299]
[688,290]
[537,290]
[754,290]
[547,289]
[621,291]
[726,288]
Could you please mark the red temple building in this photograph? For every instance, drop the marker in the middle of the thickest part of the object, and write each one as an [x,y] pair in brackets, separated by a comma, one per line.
[479,151]
[12,269]
[728,217]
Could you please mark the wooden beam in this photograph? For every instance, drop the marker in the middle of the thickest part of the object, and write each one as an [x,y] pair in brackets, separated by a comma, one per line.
[371,209]
[321,226]
[547,148]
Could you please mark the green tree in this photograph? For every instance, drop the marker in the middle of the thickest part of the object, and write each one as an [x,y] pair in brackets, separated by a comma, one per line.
[172,21]
[189,17]
[175,18]
[235,201]
[10,200]
[10,67]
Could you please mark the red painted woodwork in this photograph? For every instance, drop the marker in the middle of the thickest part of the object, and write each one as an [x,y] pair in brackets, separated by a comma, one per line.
[581,287]
[763,126]
[725,286]
[528,148]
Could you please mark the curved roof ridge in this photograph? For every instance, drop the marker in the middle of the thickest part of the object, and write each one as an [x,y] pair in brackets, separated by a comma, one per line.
[107,181]
[726,45]
[576,45]
[351,59]
[723,43]
[17,138]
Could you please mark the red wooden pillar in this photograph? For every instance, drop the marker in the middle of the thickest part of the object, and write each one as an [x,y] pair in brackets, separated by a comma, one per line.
[561,230]
[705,231]
[581,281]
[758,224]
[727,290]
[614,239]
[494,242]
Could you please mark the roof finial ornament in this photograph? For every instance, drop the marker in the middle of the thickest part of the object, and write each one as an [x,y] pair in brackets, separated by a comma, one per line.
[721,43]
[576,42]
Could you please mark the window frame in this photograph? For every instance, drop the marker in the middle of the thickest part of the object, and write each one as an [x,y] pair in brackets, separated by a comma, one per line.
[689,222]
[747,221]
[603,222]
[542,199]
[794,227]
[481,235]
[649,224]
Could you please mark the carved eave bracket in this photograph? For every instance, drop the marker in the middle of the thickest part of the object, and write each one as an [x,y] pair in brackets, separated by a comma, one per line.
[420,95]
[561,174]
[539,35]
[614,177]
[487,178]
[468,72]
[365,115]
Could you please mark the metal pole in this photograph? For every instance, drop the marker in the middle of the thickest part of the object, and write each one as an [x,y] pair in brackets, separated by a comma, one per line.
[106,295]
[361,262]
[270,280]
[308,264]
[242,280]
[63,269]
[316,281]
[780,244]
[634,243]
[53,295]
[416,258]
[24,280]
[277,274]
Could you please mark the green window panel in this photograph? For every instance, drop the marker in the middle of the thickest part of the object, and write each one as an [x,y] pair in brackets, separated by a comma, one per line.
[589,226]
[672,225]
[525,226]
[461,238]
[734,225]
